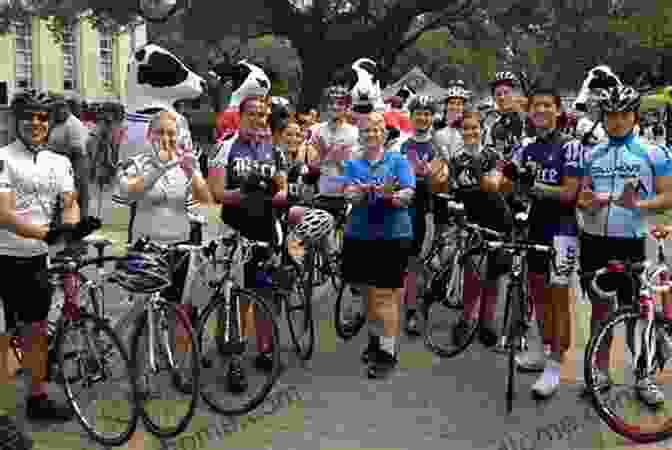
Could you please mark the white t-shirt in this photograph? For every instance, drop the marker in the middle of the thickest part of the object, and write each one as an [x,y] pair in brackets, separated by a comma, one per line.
[334,144]
[36,180]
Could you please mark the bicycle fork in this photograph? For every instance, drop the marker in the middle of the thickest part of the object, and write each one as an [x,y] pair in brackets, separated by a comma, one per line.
[230,328]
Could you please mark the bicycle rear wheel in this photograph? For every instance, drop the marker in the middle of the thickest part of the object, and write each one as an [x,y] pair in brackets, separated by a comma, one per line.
[222,341]
[620,407]
[443,308]
[299,308]
[176,354]
[115,415]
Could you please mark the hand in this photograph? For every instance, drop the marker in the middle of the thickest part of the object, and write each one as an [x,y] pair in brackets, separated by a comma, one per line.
[85,227]
[392,200]
[661,231]
[423,168]
[187,162]
[630,197]
[509,170]
[587,199]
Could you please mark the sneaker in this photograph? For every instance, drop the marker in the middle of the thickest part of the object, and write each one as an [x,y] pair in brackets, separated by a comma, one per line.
[531,361]
[43,408]
[413,323]
[11,438]
[602,384]
[548,382]
[487,335]
[649,392]
[370,350]
[462,331]
[264,362]
[237,378]
[382,364]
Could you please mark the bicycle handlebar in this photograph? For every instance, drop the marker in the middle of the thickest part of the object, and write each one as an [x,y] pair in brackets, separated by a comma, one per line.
[647,272]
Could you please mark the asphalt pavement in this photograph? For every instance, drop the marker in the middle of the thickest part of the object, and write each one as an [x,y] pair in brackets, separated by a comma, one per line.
[428,403]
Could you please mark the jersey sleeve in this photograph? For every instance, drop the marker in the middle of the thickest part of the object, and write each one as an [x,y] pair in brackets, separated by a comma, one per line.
[405,174]
[661,157]
[572,155]
[518,154]
[68,177]
[217,165]
[6,184]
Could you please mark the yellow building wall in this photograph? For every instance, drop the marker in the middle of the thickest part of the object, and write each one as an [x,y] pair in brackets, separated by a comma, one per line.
[8,58]
[47,58]
[122,49]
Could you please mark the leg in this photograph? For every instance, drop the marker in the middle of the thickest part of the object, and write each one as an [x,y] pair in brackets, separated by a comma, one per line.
[534,359]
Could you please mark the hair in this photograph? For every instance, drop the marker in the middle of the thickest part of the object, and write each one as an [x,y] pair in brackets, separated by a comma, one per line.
[545,88]
[248,100]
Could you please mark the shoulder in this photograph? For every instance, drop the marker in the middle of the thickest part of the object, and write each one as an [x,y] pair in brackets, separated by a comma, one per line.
[55,159]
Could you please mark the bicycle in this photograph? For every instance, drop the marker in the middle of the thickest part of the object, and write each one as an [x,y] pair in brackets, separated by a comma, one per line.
[92,363]
[444,275]
[158,323]
[647,334]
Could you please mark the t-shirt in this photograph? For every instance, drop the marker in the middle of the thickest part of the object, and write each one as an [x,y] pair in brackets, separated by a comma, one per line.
[334,145]
[69,138]
[609,166]
[162,211]
[375,220]
[557,156]
[37,180]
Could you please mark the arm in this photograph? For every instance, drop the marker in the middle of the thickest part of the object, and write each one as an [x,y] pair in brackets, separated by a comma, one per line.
[9,220]
[217,181]
[662,160]
[70,208]
[200,190]
[134,180]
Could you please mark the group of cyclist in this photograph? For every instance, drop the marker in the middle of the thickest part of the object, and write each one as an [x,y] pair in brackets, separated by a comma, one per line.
[390,183]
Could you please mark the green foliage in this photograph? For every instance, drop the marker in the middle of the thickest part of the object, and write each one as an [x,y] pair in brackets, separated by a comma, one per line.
[652,30]
[280,88]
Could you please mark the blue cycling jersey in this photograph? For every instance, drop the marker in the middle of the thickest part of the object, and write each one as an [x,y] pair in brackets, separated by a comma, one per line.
[608,166]
[376,220]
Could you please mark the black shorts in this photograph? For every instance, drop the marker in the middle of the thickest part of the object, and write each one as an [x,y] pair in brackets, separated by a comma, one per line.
[377,263]
[596,251]
[28,296]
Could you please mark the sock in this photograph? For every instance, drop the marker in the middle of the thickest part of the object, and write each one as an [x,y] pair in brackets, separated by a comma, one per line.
[388,344]
[489,304]
[411,291]
[472,295]
[264,335]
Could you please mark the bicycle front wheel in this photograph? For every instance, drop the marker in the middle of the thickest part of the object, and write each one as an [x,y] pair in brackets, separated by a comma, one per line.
[90,353]
[443,310]
[168,392]
[514,317]
[299,308]
[623,406]
[236,376]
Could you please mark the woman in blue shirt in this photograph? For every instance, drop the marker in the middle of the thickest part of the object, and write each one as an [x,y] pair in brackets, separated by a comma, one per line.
[380,227]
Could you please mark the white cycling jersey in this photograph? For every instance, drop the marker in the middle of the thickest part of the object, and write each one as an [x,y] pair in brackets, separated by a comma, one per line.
[37,180]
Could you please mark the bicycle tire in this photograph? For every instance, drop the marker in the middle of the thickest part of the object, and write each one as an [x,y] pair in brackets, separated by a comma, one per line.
[346,330]
[336,275]
[102,325]
[615,423]
[305,289]
[155,429]
[514,299]
[455,272]
[262,304]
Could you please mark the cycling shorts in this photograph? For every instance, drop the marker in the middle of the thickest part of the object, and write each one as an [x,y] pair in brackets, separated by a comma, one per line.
[566,258]
[597,251]
[28,297]
[376,263]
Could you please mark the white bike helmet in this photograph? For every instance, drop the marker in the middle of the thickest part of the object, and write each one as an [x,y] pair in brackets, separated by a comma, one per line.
[315,225]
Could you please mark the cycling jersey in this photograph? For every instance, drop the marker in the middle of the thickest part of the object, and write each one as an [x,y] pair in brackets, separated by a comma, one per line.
[447,141]
[608,167]
[37,180]
[375,220]
[506,131]
[334,143]
[161,212]
[557,156]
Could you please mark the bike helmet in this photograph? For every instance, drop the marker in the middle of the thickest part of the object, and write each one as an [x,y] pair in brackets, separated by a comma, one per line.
[315,225]
[504,77]
[422,103]
[619,99]
[33,100]
[143,273]
[457,92]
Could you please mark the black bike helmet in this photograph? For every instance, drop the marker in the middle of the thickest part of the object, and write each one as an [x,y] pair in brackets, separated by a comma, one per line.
[422,103]
[619,99]
[503,77]
[143,273]
[33,100]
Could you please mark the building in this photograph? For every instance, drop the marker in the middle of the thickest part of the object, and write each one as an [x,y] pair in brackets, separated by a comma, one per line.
[90,65]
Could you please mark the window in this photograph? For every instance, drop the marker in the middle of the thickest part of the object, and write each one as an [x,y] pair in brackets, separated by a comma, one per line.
[24,54]
[69,58]
[105,58]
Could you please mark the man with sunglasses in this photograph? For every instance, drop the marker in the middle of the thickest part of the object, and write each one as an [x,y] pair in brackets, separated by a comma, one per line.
[36,184]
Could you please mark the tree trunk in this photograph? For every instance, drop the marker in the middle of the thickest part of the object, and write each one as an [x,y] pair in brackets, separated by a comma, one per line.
[316,77]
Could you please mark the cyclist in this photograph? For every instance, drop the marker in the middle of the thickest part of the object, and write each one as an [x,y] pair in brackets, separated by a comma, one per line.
[165,182]
[473,170]
[380,225]
[614,225]
[508,129]
[32,178]
[289,138]
[449,136]
[419,150]
[229,174]
[553,157]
